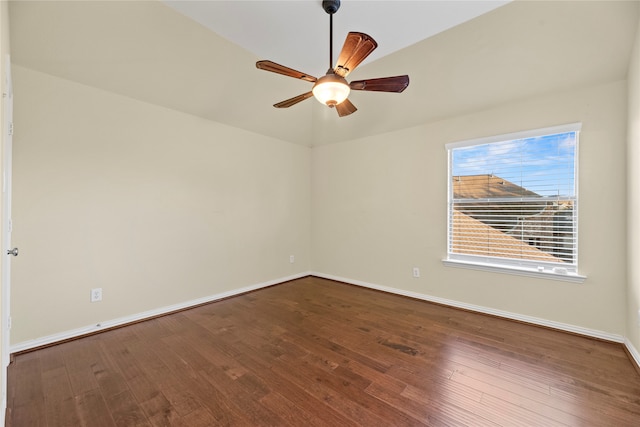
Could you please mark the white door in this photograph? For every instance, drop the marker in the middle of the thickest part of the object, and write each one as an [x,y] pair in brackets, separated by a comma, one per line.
[7,251]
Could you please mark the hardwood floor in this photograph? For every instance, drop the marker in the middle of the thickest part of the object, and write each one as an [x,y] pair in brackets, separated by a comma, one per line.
[320,353]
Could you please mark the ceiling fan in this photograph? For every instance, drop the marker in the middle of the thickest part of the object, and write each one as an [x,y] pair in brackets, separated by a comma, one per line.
[333,89]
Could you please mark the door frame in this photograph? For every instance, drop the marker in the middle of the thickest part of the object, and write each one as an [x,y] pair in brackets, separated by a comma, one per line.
[5,308]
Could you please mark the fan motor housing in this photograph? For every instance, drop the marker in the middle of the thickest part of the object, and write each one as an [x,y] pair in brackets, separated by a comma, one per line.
[331,6]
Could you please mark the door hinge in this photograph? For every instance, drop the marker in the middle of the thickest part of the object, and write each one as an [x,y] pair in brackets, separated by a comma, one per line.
[9,323]
[10,128]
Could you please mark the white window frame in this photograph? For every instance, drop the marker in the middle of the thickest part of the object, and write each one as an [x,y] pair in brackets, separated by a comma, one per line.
[521,267]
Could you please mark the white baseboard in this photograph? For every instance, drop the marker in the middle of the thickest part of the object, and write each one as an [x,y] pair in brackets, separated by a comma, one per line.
[632,351]
[74,333]
[486,310]
[26,345]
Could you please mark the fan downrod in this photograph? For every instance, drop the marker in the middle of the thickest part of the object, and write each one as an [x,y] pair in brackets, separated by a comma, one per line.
[331,6]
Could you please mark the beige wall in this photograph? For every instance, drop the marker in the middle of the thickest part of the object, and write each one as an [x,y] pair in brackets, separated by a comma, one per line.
[379,209]
[633,216]
[154,206]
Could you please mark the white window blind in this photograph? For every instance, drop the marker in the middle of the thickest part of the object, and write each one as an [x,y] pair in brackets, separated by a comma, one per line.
[513,200]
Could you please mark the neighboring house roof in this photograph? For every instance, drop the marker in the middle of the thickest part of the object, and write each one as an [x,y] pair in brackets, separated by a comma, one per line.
[487,186]
[473,237]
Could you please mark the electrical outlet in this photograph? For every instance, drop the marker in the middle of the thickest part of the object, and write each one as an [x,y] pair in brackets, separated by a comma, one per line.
[96,294]
[292,259]
[416,272]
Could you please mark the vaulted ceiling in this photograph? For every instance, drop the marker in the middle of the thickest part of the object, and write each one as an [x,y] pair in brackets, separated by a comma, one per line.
[297,32]
[199,57]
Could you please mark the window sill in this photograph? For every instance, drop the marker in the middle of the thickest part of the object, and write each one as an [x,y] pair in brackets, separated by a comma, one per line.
[569,277]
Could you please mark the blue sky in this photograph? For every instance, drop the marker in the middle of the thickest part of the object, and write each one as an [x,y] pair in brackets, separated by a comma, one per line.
[543,164]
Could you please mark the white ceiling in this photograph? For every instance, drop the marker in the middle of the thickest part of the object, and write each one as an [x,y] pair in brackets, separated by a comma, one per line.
[296,33]
[148,51]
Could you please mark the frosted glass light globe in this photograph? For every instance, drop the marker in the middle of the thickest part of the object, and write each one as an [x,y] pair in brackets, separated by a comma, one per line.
[331,89]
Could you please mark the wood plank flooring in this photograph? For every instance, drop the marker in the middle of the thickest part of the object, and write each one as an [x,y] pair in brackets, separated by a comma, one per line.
[320,353]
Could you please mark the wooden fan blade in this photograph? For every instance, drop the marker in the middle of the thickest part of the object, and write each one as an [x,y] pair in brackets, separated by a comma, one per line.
[345,108]
[293,101]
[384,84]
[356,48]
[285,71]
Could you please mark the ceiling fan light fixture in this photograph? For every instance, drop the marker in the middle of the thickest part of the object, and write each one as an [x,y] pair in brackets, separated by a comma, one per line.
[331,89]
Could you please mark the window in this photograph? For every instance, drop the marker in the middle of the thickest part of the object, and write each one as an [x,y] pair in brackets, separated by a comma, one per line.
[513,203]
